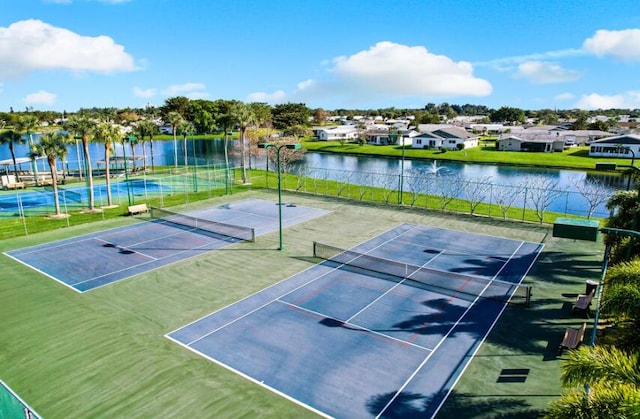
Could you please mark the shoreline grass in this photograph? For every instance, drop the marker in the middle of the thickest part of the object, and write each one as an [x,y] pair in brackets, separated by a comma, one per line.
[574,158]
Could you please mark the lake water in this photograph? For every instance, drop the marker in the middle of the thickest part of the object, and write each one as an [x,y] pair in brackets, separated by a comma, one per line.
[362,170]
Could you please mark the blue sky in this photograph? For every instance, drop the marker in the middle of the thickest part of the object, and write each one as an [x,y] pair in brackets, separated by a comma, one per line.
[69,54]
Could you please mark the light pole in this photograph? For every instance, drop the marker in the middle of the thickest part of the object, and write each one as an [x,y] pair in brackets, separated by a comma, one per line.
[278,148]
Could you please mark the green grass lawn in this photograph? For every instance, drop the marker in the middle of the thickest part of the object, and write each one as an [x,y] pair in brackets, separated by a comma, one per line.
[575,158]
[103,354]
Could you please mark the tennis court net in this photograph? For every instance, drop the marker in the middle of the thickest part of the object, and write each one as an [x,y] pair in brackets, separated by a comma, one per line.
[216,227]
[441,281]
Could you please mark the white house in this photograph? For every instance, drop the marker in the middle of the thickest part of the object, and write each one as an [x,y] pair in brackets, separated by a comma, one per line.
[445,137]
[621,146]
[341,132]
[540,143]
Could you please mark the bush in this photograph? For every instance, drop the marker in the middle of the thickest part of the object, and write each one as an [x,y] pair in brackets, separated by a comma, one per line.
[460,146]
[443,149]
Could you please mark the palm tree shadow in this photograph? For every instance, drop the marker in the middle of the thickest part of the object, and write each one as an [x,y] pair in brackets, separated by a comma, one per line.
[415,405]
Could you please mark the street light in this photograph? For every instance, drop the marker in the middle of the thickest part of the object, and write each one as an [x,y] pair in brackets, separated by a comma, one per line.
[278,148]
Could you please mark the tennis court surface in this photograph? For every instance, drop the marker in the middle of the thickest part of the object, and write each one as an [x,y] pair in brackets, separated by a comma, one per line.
[382,330]
[90,261]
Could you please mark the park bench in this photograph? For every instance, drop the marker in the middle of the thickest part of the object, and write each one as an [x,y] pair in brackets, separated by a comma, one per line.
[15,185]
[583,301]
[573,337]
[138,209]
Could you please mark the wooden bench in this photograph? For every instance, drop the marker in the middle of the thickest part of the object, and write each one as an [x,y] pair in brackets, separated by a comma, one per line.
[573,337]
[15,185]
[138,209]
[583,301]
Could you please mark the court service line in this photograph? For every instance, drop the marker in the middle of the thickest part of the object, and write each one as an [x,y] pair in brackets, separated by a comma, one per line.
[411,377]
[255,294]
[43,273]
[249,378]
[47,246]
[256,309]
[116,246]
[144,263]
[272,300]
[390,289]
[504,306]
[356,326]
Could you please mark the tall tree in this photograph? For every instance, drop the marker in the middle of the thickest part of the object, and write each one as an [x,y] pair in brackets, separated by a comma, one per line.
[262,111]
[53,146]
[143,129]
[290,114]
[11,138]
[175,119]
[27,124]
[508,114]
[179,104]
[82,126]
[225,120]
[245,118]
[185,128]
[107,133]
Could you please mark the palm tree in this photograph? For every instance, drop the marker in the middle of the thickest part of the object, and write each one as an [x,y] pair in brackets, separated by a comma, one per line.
[53,146]
[244,117]
[185,128]
[106,133]
[143,128]
[174,118]
[606,383]
[226,120]
[12,138]
[82,126]
[621,302]
[26,124]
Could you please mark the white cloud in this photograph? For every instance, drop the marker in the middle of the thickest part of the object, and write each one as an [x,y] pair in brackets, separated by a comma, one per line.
[276,97]
[40,97]
[625,100]
[624,44]
[565,96]
[508,63]
[183,89]
[387,70]
[145,93]
[30,45]
[540,72]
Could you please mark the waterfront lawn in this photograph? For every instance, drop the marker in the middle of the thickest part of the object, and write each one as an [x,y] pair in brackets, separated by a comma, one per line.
[573,158]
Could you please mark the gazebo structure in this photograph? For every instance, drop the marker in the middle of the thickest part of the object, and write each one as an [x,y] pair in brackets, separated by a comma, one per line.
[13,177]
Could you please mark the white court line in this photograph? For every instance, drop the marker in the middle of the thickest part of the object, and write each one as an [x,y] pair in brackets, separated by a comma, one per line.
[411,377]
[268,302]
[145,263]
[390,289]
[44,247]
[116,246]
[249,378]
[361,328]
[504,307]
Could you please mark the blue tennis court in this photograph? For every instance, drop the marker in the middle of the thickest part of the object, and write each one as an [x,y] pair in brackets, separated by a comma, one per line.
[90,261]
[352,337]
